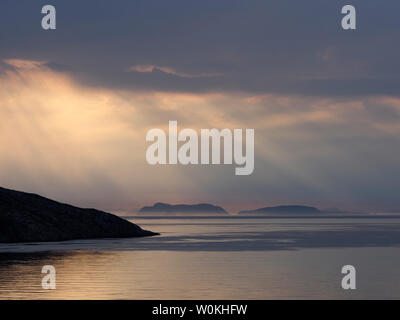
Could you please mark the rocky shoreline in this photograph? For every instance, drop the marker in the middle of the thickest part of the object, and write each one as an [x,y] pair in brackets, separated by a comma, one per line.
[26,217]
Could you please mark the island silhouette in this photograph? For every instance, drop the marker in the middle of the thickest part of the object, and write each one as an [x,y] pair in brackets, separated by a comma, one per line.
[194,209]
[290,209]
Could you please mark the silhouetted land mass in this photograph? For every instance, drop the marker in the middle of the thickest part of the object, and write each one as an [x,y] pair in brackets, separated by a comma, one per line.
[26,217]
[284,210]
[165,208]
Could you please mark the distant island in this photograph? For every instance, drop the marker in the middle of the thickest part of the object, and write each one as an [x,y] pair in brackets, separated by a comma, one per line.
[293,209]
[191,209]
[26,217]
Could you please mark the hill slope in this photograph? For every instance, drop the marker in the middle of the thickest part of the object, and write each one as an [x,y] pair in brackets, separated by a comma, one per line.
[26,217]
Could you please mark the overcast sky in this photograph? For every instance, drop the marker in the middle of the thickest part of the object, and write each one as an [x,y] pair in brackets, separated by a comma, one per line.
[76,102]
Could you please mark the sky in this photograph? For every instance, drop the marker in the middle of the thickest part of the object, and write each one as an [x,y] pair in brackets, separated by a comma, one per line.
[76,102]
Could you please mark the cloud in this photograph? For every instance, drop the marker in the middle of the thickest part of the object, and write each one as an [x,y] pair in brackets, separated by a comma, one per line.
[24,64]
[279,47]
[87,145]
[171,71]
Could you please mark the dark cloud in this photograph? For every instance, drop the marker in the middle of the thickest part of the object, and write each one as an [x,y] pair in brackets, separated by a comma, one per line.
[259,46]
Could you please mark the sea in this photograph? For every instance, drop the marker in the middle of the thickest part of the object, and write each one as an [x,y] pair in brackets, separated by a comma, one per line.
[216,257]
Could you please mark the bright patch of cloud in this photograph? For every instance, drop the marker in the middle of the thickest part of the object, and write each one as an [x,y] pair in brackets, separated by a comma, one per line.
[24,64]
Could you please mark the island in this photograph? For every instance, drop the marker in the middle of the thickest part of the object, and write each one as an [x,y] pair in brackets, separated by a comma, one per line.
[191,209]
[26,217]
[291,209]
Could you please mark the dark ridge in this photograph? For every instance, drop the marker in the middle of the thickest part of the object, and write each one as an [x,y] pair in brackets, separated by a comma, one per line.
[165,208]
[26,217]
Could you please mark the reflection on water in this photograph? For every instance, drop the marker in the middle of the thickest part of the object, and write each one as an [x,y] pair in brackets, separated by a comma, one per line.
[214,259]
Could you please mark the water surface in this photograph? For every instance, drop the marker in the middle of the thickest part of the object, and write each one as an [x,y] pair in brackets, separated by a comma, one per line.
[215,258]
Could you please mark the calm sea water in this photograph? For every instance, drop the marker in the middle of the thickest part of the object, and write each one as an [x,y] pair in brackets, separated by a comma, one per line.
[215,258]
